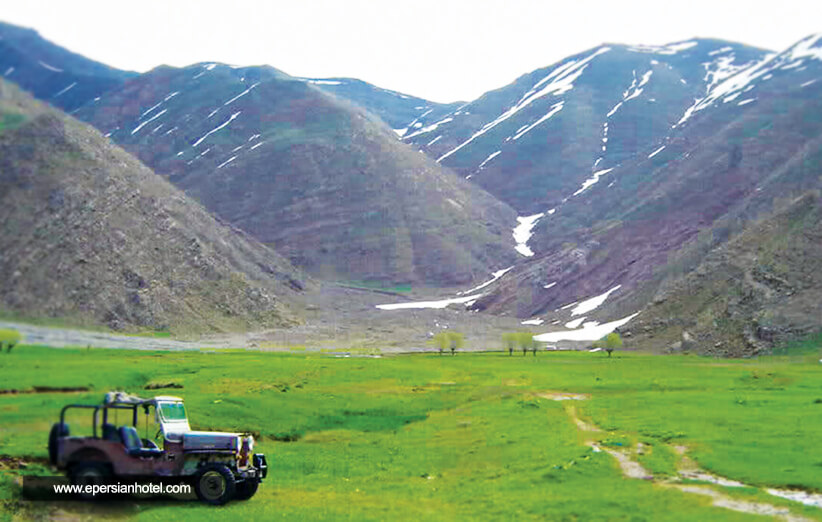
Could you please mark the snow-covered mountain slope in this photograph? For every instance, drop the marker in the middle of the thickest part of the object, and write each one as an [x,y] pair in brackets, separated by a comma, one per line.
[749,143]
[325,182]
[536,141]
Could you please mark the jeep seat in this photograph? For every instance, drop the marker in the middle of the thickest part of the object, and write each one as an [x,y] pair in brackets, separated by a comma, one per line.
[134,447]
[110,433]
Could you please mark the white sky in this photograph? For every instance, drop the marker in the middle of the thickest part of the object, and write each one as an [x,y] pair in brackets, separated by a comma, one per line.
[442,50]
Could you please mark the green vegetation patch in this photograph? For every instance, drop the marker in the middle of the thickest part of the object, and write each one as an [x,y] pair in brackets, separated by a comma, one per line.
[479,436]
[11,120]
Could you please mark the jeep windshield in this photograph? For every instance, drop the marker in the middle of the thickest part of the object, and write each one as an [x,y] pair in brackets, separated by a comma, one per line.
[172,411]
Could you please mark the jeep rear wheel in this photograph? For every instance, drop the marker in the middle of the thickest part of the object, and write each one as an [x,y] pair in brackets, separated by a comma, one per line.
[89,474]
[215,484]
[246,489]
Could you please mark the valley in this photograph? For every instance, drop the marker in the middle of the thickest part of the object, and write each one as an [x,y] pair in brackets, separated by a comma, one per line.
[593,293]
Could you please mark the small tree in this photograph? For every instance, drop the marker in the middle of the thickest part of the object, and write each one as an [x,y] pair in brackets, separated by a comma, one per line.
[526,341]
[9,339]
[457,341]
[441,341]
[454,340]
[509,340]
[612,342]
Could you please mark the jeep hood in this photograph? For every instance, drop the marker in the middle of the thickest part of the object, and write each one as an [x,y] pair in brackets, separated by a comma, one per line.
[209,440]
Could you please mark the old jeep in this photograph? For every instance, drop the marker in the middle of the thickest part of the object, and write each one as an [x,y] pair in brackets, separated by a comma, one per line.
[219,466]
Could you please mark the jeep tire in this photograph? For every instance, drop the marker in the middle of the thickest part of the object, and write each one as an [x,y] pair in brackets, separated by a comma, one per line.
[215,484]
[246,489]
[89,473]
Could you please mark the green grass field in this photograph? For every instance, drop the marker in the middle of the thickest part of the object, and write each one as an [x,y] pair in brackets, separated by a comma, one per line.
[448,438]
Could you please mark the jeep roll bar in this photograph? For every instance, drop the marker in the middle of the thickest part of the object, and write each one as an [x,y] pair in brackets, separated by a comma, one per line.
[97,409]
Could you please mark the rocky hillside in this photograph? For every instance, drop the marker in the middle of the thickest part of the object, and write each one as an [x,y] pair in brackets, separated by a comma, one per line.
[50,72]
[92,236]
[759,290]
[325,182]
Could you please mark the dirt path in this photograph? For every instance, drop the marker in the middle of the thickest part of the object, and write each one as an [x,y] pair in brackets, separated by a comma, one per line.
[687,470]
[64,337]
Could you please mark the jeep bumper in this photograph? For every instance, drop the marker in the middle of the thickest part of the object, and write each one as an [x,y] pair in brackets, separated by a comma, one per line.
[260,464]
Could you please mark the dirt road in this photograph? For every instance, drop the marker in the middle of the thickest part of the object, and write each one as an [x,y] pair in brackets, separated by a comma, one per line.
[63,337]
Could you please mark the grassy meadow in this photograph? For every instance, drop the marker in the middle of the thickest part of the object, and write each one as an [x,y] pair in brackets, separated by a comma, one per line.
[475,436]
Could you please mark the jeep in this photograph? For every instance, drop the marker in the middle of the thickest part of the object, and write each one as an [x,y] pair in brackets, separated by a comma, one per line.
[220,466]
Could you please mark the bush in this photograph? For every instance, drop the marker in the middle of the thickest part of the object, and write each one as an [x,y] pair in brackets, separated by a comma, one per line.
[9,339]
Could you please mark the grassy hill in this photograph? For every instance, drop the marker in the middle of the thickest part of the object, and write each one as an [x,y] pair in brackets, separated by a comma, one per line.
[92,236]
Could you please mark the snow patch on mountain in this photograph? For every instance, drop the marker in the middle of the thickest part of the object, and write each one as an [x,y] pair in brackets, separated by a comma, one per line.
[49,67]
[226,162]
[232,100]
[589,331]
[495,276]
[523,232]
[467,300]
[429,128]
[66,89]
[733,81]
[669,49]
[138,127]
[554,109]
[590,181]
[489,158]
[593,303]
[322,82]
[576,323]
[212,131]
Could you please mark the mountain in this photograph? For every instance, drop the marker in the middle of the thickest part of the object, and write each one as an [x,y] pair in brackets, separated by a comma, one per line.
[398,110]
[92,236]
[51,73]
[734,156]
[325,182]
[533,143]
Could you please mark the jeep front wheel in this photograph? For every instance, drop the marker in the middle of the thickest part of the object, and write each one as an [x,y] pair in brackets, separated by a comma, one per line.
[246,489]
[215,484]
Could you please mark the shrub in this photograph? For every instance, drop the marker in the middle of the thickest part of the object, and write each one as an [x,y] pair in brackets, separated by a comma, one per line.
[9,339]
